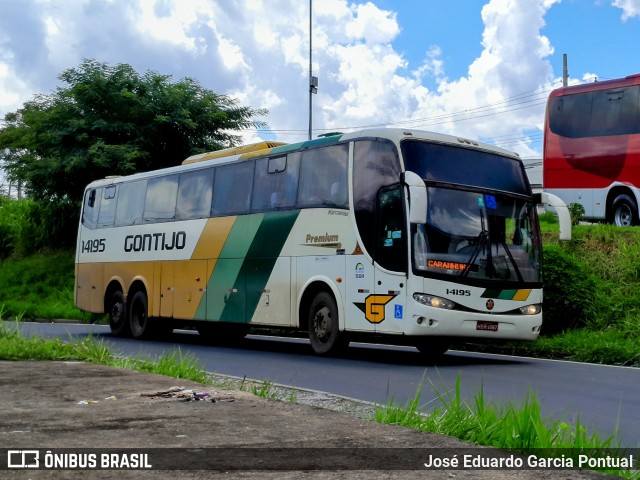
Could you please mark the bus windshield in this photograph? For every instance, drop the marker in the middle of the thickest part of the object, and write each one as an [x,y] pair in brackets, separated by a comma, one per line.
[478,236]
[481,220]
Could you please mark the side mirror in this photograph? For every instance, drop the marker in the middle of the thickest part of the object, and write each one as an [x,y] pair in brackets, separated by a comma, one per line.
[564,218]
[417,197]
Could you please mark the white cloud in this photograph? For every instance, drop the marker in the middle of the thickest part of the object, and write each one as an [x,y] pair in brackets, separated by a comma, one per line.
[257,51]
[630,8]
[170,22]
[231,54]
[372,24]
[433,64]
[512,63]
[13,91]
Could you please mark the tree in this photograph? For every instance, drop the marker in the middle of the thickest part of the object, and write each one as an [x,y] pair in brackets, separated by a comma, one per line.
[112,121]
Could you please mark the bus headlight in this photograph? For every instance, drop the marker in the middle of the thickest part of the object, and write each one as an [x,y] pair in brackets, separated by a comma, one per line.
[534,309]
[433,301]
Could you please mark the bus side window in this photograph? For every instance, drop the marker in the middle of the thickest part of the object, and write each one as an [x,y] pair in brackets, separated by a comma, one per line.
[232,189]
[570,115]
[276,181]
[160,203]
[615,112]
[195,190]
[323,177]
[130,203]
[91,208]
[107,212]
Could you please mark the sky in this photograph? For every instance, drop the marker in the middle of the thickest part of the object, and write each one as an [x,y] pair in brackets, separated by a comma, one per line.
[481,69]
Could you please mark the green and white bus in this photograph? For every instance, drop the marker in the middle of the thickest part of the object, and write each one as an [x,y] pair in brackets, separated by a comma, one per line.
[386,235]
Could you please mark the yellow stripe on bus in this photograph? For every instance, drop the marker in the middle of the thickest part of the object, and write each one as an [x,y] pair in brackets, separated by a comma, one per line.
[212,239]
[521,295]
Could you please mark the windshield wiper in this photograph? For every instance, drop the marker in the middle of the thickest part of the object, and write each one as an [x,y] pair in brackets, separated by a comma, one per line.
[484,241]
[513,262]
[481,241]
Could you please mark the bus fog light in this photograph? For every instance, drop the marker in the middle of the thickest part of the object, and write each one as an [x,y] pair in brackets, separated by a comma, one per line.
[433,301]
[531,309]
[420,320]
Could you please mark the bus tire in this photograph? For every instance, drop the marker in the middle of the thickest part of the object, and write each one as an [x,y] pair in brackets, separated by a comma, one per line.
[118,318]
[625,211]
[324,332]
[139,321]
[433,348]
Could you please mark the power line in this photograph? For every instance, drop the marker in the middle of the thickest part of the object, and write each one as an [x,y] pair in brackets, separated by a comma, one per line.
[524,100]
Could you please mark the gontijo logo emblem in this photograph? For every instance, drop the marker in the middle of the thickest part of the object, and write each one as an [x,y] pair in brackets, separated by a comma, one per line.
[373,307]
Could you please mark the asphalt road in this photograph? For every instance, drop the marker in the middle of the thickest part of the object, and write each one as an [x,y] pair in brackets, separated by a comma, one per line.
[602,398]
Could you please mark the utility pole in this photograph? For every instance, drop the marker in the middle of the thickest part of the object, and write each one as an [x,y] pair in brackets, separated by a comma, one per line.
[565,71]
[313,81]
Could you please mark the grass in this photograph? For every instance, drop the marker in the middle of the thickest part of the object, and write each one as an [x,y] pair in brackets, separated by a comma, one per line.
[14,346]
[40,286]
[267,389]
[516,428]
[607,347]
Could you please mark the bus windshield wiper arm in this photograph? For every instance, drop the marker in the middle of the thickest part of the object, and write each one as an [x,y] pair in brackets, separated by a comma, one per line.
[481,242]
[513,262]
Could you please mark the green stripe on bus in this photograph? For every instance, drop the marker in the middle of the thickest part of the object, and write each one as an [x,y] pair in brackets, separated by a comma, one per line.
[499,293]
[224,275]
[258,264]
[306,144]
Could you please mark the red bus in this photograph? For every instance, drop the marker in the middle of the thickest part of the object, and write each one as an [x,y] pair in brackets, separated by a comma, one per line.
[592,148]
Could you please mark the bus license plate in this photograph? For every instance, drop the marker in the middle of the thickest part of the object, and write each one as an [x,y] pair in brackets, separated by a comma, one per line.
[487,326]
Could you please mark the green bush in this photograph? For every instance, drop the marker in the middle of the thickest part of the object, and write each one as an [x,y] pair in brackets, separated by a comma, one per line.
[568,292]
[12,220]
[28,227]
[576,212]
[548,217]
[6,241]
[40,286]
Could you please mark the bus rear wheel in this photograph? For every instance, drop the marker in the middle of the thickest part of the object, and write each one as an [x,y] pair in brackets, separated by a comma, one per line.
[118,319]
[138,316]
[324,332]
[625,211]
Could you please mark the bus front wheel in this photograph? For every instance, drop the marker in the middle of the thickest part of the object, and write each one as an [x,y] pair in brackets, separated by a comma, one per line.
[324,332]
[118,320]
[138,315]
[625,211]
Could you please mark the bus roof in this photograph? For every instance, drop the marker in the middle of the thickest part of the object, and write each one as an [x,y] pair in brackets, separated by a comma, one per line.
[225,152]
[231,155]
[597,85]
[399,134]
